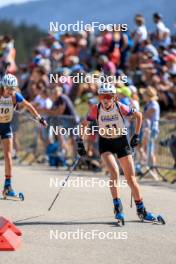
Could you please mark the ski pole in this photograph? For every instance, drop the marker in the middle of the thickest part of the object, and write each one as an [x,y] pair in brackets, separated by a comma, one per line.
[25,113]
[64,182]
[131,200]
[131,204]
[66,179]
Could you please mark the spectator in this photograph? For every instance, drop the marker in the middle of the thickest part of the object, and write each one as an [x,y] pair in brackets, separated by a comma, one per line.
[151,123]
[107,66]
[146,59]
[140,33]
[162,34]
[63,114]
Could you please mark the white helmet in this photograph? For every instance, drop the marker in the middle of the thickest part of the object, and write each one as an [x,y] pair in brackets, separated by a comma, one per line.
[107,88]
[9,80]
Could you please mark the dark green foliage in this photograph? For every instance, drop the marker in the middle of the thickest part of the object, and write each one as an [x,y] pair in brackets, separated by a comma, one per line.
[26,37]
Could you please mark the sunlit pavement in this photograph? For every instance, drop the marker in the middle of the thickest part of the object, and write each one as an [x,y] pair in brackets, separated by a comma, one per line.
[81,228]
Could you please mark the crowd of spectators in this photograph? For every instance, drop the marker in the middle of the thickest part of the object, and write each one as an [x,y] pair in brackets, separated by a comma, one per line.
[148,59]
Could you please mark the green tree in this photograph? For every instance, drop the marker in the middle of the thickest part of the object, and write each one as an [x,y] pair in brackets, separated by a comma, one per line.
[26,38]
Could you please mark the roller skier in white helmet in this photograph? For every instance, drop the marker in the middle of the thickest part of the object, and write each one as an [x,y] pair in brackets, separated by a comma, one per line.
[9,98]
[110,115]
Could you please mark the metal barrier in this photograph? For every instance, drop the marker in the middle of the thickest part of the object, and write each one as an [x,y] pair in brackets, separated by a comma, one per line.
[27,137]
[165,144]
[165,151]
[36,148]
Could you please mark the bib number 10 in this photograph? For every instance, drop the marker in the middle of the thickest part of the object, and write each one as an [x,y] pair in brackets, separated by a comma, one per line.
[4,110]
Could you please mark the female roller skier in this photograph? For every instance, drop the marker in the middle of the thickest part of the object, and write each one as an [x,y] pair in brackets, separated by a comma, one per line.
[9,97]
[110,115]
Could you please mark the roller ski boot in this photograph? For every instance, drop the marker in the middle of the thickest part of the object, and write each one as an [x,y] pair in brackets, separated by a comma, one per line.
[9,193]
[118,211]
[145,216]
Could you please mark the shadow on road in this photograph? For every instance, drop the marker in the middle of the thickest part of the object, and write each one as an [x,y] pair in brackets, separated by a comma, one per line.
[157,184]
[73,223]
[66,223]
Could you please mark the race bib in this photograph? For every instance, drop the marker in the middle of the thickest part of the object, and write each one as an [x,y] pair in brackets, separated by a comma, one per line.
[6,110]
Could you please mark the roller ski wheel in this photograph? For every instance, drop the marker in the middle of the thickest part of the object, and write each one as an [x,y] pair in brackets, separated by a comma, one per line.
[21,196]
[161,220]
[10,194]
[120,219]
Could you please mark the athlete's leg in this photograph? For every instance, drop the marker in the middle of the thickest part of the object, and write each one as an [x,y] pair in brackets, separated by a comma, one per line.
[112,167]
[127,165]
[7,144]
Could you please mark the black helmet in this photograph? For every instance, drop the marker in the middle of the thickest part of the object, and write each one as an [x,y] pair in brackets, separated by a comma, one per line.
[157,16]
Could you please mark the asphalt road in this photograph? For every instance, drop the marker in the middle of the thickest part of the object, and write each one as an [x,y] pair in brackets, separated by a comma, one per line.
[80,228]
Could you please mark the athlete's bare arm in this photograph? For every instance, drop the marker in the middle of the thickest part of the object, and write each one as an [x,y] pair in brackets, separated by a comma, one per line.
[29,107]
[138,121]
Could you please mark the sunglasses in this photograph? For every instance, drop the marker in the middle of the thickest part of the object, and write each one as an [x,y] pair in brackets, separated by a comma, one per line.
[105,96]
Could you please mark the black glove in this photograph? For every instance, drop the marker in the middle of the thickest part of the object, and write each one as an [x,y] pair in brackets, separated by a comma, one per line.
[134,140]
[80,147]
[43,122]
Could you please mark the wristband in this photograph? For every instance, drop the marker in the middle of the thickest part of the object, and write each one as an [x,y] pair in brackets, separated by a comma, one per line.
[38,117]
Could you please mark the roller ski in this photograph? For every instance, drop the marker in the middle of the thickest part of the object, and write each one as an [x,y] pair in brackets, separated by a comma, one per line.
[9,194]
[148,217]
[118,212]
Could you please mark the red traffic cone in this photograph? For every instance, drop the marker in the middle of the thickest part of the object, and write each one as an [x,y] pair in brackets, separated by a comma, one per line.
[6,224]
[9,241]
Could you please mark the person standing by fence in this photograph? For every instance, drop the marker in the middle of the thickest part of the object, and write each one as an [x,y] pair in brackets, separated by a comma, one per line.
[151,124]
